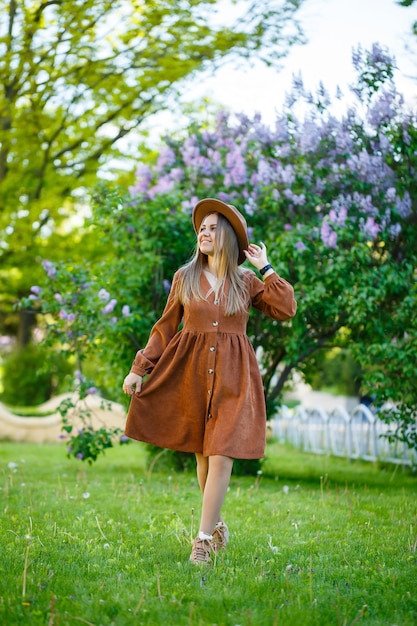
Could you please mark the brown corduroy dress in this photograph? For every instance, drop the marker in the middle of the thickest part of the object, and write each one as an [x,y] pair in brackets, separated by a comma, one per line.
[204,391]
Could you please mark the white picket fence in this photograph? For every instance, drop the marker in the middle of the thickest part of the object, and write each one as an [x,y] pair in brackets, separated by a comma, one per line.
[357,434]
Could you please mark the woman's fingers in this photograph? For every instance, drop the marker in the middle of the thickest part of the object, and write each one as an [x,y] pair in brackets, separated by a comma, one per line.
[132,381]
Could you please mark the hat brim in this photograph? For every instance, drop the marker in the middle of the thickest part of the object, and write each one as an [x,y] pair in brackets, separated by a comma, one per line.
[212,205]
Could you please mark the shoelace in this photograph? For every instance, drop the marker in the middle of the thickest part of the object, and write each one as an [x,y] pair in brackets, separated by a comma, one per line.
[221,536]
[201,550]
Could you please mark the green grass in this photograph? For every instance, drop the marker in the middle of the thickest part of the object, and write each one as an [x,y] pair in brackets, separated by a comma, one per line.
[314,541]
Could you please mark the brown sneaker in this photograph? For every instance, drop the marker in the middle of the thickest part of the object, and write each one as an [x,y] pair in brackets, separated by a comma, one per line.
[220,536]
[201,551]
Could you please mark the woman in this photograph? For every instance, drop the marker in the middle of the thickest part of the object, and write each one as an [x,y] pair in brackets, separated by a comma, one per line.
[204,392]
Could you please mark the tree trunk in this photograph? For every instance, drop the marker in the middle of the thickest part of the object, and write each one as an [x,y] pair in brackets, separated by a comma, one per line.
[27,321]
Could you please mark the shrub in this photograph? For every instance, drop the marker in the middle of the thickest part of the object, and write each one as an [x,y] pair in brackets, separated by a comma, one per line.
[31,375]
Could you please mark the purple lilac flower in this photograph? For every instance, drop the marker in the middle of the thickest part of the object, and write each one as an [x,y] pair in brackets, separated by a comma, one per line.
[79,375]
[177,174]
[323,94]
[287,174]
[287,227]
[104,295]
[91,391]
[237,167]
[166,158]
[394,230]
[338,216]
[59,298]
[250,206]
[36,290]
[299,245]
[63,314]
[384,109]
[371,228]
[125,310]
[265,172]
[33,297]
[167,285]
[403,205]
[328,235]
[80,455]
[263,134]
[144,178]
[298,84]
[71,317]
[310,136]
[113,320]
[281,129]
[225,197]
[290,99]
[190,152]
[124,439]
[49,268]
[380,56]
[163,186]
[357,57]
[109,306]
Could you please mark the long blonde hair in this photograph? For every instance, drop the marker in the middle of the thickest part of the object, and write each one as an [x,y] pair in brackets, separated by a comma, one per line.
[226,254]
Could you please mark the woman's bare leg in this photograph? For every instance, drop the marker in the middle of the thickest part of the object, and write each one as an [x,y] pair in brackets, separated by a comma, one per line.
[213,475]
[202,470]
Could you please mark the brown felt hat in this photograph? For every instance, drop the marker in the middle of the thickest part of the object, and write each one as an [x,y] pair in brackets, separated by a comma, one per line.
[236,219]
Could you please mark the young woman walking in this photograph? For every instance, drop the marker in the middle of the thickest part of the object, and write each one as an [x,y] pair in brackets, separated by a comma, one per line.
[203,392]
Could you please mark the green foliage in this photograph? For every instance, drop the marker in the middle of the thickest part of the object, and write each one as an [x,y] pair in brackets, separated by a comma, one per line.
[170,460]
[305,544]
[86,442]
[163,459]
[78,77]
[334,370]
[31,375]
[88,310]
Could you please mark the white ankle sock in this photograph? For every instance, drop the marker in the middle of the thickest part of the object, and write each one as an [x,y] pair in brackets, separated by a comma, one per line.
[202,535]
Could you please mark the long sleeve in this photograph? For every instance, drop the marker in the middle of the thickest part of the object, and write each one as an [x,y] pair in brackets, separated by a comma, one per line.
[274,297]
[161,334]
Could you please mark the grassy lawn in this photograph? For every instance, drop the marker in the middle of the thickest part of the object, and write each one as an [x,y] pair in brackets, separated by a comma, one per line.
[314,541]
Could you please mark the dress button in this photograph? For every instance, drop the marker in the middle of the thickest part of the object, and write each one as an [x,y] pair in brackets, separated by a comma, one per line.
[216,302]
[215,323]
[209,392]
[211,371]
[212,348]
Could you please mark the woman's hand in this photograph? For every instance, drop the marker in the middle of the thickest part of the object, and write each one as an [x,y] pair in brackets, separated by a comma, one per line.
[132,380]
[257,255]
